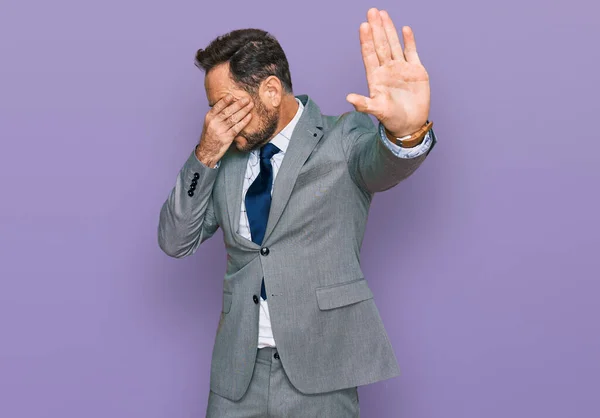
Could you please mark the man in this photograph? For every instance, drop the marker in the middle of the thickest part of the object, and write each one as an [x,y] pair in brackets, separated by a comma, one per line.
[299,329]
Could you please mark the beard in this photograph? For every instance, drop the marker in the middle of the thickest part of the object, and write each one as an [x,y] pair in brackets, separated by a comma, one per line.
[269,119]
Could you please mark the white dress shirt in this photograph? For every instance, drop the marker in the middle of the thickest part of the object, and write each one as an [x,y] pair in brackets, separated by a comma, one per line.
[282,140]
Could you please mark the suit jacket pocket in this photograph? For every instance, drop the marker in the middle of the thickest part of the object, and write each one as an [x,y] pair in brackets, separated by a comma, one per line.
[313,174]
[338,295]
[227,299]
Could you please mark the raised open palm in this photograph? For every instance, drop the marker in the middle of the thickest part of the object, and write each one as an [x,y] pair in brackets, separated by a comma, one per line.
[399,93]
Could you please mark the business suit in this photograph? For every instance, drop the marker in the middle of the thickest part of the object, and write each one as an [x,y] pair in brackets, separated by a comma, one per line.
[328,330]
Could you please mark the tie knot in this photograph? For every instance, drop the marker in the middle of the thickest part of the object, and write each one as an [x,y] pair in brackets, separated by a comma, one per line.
[268,151]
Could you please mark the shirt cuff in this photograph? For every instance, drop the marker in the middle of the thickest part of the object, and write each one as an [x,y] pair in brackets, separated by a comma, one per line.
[402,152]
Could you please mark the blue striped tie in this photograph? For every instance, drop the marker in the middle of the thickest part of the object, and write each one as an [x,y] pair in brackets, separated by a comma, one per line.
[258,200]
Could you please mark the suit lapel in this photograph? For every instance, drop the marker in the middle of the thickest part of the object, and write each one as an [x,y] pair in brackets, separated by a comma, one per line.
[234,182]
[305,137]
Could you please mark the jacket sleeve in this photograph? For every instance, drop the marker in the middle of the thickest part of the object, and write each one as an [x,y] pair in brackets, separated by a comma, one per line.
[187,217]
[372,165]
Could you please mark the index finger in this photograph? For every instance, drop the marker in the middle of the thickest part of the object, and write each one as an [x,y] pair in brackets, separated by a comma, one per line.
[233,108]
[367,47]
[222,104]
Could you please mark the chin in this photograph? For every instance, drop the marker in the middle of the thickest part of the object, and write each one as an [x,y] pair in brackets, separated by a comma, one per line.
[240,144]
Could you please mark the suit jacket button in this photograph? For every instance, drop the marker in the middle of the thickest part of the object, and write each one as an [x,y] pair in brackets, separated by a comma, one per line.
[190,193]
[264,251]
[192,187]
[276,355]
[255,299]
[196,176]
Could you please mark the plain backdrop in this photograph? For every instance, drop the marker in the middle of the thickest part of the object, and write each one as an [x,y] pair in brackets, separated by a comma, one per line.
[484,264]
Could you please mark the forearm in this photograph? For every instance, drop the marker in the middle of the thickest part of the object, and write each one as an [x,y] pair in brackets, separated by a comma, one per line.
[374,164]
[376,168]
[186,217]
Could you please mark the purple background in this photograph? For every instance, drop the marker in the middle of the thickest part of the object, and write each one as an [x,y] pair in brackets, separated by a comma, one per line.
[484,264]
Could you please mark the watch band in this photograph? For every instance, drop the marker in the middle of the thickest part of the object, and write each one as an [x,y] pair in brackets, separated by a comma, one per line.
[415,138]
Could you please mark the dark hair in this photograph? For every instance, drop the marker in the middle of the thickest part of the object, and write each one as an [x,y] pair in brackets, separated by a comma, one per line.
[253,55]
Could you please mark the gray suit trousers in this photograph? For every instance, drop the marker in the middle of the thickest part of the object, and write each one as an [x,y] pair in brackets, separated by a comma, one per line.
[271,395]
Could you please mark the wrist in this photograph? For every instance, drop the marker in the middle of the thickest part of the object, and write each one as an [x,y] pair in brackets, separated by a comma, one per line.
[409,140]
[401,134]
[204,157]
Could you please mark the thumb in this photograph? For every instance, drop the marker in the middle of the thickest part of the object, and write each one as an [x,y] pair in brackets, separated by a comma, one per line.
[360,103]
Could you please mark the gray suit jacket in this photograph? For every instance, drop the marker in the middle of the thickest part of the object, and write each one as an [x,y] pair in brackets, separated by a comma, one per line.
[327,328]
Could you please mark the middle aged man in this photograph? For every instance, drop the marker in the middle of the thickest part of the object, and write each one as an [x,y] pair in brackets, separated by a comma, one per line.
[291,189]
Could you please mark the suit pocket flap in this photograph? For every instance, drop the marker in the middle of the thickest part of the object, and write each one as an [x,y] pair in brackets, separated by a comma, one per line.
[313,173]
[227,299]
[343,294]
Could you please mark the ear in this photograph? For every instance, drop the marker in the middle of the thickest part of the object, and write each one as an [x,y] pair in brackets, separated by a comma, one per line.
[271,91]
